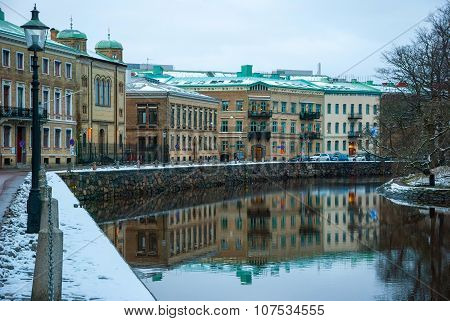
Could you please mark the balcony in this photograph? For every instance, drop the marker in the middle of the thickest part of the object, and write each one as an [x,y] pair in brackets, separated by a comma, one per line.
[20,113]
[258,135]
[309,115]
[353,134]
[259,113]
[355,116]
[310,135]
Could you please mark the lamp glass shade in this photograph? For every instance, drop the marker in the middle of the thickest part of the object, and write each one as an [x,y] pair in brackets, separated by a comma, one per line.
[36,39]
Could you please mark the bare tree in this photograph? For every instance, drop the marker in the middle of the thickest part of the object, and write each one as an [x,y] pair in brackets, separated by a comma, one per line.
[414,118]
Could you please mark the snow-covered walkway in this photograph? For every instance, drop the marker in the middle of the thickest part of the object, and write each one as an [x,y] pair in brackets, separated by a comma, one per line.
[92,268]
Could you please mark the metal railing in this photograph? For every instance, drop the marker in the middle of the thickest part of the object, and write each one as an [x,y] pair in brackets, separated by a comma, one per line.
[309,115]
[354,134]
[355,116]
[260,113]
[310,135]
[258,135]
[21,113]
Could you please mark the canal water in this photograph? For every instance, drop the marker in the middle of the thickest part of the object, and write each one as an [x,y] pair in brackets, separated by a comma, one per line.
[315,240]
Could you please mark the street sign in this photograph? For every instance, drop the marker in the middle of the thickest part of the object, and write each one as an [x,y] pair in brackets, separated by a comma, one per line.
[72,142]
[22,144]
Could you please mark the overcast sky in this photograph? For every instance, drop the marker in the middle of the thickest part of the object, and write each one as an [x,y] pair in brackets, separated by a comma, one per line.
[225,34]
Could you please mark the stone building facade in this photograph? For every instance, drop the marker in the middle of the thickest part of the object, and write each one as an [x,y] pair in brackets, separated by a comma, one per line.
[166,123]
[58,74]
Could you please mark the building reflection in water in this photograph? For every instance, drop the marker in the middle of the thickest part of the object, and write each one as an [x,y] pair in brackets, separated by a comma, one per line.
[266,231]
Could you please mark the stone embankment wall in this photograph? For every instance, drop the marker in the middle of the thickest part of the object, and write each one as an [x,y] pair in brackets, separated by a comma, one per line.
[108,185]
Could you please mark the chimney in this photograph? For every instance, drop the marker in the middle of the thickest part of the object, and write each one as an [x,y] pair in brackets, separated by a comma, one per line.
[53,33]
[319,69]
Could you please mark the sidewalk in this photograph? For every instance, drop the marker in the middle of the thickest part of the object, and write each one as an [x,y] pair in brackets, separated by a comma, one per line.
[10,181]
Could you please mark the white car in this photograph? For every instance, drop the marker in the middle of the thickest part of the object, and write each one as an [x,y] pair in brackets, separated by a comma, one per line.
[358,158]
[320,157]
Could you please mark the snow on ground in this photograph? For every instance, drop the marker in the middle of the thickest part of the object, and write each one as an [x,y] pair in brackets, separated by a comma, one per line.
[92,268]
[442,178]
[17,249]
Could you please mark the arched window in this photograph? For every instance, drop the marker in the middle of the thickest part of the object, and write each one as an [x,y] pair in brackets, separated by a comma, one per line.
[108,93]
[97,91]
[102,92]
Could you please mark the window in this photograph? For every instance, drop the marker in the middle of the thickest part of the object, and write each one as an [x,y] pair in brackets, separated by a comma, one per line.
[336,145]
[142,116]
[292,127]
[57,138]
[328,145]
[68,137]
[275,106]
[274,147]
[6,58]
[68,70]
[45,66]
[45,98]
[283,127]
[20,99]
[367,109]
[328,128]
[224,145]
[336,128]
[224,126]
[344,145]
[318,108]
[360,109]
[329,109]
[19,60]
[317,147]
[292,146]
[69,104]
[239,105]
[375,109]
[153,116]
[283,107]
[253,126]
[57,72]
[239,126]
[57,102]
[274,127]
[344,128]
[6,136]
[107,92]
[352,109]
[344,109]
[293,108]
[46,138]
[225,104]
[336,109]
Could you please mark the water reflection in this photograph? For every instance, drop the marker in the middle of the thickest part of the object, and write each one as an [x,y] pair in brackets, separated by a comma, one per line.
[327,236]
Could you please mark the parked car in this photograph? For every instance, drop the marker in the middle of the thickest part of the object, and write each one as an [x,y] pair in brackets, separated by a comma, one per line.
[299,159]
[358,158]
[338,157]
[320,157]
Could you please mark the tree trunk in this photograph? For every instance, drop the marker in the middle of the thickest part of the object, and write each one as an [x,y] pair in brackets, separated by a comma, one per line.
[432,179]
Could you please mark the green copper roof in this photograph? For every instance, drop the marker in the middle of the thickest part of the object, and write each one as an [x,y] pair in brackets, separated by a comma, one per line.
[108,44]
[71,34]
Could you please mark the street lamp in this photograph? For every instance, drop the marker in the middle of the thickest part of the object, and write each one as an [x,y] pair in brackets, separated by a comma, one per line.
[35,36]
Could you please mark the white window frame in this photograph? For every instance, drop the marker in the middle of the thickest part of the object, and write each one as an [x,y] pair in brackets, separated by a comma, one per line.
[48,66]
[7,82]
[21,85]
[71,136]
[31,63]
[10,135]
[9,58]
[60,137]
[68,93]
[46,89]
[17,60]
[49,137]
[65,70]
[54,68]
[57,90]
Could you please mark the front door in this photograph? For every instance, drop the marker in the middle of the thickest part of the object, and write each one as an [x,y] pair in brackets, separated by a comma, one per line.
[258,153]
[21,145]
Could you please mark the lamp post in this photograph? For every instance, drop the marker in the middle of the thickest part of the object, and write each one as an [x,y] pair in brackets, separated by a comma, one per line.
[35,36]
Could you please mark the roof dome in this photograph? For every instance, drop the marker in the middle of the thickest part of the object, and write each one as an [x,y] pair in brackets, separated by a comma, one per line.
[108,44]
[71,34]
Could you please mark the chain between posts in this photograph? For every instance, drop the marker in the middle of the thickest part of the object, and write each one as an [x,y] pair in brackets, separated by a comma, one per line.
[50,244]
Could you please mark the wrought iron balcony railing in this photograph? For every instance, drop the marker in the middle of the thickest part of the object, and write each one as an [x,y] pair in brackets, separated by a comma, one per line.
[353,134]
[260,113]
[310,135]
[258,135]
[21,113]
[309,115]
[355,116]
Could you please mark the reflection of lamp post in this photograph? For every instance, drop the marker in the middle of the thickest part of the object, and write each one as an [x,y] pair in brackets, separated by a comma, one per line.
[35,36]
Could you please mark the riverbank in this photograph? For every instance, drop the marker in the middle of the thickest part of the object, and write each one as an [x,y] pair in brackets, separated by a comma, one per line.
[413,190]
[92,267]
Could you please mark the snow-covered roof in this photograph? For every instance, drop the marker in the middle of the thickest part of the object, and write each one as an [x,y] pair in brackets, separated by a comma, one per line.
[145,87]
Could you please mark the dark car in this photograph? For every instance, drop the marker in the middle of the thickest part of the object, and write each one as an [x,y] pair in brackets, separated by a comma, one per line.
[297,159]
[338,157]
